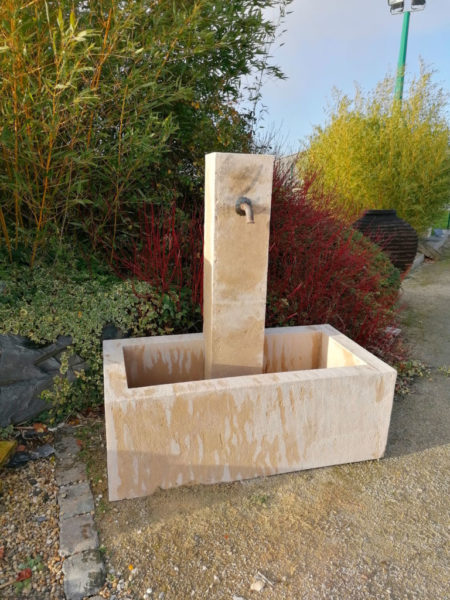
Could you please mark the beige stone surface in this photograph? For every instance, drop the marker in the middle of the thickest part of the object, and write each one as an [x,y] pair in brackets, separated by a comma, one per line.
[235,265]
[322,400]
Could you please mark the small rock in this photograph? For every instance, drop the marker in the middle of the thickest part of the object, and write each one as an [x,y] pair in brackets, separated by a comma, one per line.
[257,586]
[41,518]
[43,452]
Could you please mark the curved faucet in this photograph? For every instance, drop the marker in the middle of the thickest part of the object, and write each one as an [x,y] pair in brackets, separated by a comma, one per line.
[244,207]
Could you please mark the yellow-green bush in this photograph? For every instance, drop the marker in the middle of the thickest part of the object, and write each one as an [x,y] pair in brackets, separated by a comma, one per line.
[377,153]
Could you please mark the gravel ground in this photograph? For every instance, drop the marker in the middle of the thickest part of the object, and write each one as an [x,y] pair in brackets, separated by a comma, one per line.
[29,532]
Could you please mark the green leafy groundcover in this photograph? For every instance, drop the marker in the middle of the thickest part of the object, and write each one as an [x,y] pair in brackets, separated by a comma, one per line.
[64,295]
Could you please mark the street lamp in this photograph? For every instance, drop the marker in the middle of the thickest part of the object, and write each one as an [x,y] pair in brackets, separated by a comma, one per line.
[397,7]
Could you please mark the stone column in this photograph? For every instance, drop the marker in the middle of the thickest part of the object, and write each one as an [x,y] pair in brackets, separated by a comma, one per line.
[236,257]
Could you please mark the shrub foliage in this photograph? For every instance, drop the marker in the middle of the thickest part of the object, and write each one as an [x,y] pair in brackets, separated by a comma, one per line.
[169,252]
[376,153]
[67,295]
[322,271]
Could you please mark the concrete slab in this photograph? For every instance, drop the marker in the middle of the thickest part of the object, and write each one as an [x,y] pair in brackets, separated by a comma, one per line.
[66,447]
[422,419]
[425,312]
[434,247]
[77,534]
[84,575]
[65,475]
[75,500]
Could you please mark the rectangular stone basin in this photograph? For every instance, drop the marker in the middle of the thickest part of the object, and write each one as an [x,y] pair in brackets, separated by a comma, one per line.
[321,400]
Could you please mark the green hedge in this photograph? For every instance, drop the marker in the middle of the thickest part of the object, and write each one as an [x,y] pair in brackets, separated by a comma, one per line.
[64,295]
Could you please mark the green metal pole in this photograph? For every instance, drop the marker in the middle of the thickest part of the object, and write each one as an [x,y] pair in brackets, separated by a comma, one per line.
[398,94]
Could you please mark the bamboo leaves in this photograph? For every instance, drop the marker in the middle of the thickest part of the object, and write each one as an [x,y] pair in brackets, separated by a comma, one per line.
[105,105]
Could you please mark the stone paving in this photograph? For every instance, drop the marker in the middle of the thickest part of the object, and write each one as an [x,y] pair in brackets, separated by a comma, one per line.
[84,571]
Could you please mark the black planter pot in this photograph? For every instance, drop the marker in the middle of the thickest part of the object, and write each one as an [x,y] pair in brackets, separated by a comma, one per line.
[396,237]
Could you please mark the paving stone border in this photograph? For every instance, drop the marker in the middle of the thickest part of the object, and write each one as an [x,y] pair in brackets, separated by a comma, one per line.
[83,568]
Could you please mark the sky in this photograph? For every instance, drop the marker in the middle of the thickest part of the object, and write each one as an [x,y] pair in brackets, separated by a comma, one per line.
[337,43]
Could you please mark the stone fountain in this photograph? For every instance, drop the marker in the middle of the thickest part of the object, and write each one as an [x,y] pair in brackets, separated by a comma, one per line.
[239,401]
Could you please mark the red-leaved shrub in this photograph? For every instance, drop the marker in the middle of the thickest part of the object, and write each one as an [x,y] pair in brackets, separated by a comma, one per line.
[169,254]
[323,271]
[320,269]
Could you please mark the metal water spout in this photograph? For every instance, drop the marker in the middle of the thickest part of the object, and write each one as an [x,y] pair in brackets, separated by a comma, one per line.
[244,207]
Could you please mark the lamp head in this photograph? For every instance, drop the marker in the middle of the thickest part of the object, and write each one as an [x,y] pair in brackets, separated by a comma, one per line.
[396,6]
[417,4]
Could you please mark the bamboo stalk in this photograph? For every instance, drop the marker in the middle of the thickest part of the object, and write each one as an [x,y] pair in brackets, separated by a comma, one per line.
[5,233]
[96,77]
[44,196]
[119,156]
[16,131]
